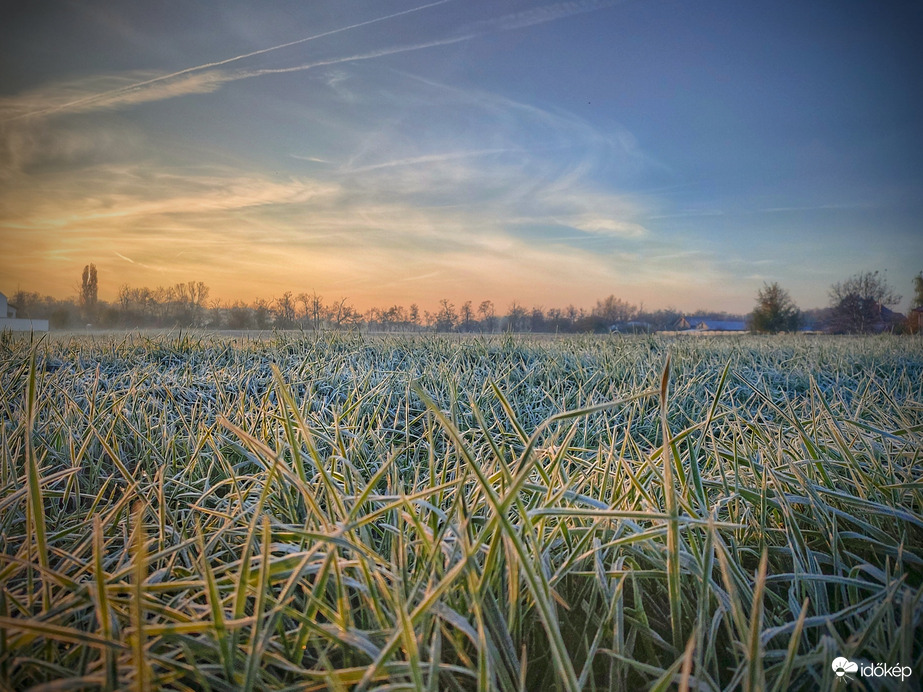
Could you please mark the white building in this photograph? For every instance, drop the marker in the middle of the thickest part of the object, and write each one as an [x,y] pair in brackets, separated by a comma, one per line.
[9,321]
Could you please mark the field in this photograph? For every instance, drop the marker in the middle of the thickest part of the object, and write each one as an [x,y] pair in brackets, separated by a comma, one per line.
[421,512]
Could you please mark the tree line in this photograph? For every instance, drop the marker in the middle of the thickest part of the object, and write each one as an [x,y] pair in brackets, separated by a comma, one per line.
[860,304]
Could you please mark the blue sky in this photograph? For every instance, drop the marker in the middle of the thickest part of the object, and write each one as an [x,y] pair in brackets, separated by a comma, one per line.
[671,153]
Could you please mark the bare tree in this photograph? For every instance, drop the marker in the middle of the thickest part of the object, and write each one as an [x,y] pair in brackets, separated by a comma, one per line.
[187,301]
[305,301]
[488,315]
[858,305]
[467,315]
[317,311]
[89,291]
[284,311]
[394,317]
[198,294]
[516,318]
[374,319]
[343,314]
[261,313]
[446,318]
[239,316]
[613,310]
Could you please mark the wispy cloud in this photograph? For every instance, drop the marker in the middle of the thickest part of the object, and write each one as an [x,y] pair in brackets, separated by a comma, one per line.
[162,269]
[603,225]
[224,225]
[177,83]
[144,196]
[542,15]
[311,159]
[689,213]
[117,91]
[109,91]
[454,205]
[814,207]
[427,159]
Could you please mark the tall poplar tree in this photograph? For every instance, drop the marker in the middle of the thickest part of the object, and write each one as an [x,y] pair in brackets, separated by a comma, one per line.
[89,290]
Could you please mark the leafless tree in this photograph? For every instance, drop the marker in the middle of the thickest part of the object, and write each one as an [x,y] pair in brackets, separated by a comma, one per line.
[488,315]
[857,303]
[89,288]
[446,318]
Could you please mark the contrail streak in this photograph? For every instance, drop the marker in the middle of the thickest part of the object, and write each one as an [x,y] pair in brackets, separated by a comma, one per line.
[219,63]
[509,22]
[518,20]
[432,158]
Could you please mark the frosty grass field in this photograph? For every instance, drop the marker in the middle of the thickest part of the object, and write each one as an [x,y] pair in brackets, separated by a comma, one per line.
[425,512]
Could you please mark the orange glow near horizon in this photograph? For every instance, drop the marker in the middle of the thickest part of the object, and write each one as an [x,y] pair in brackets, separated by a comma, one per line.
[396,157]
[250,237]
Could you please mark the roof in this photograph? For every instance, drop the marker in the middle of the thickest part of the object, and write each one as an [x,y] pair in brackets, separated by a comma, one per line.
[723,325]
[889,314]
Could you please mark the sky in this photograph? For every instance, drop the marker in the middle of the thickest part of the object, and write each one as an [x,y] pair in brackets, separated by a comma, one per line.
[672,153]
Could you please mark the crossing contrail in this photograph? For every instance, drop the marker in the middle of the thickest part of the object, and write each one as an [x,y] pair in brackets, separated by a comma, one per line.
[219,63]
[508,22]
[207,77]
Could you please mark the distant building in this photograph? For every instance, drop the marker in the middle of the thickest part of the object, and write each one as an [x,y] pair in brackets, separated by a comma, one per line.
[8,319]
[888,320]
[7,311]
[701,324]
[916,319]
